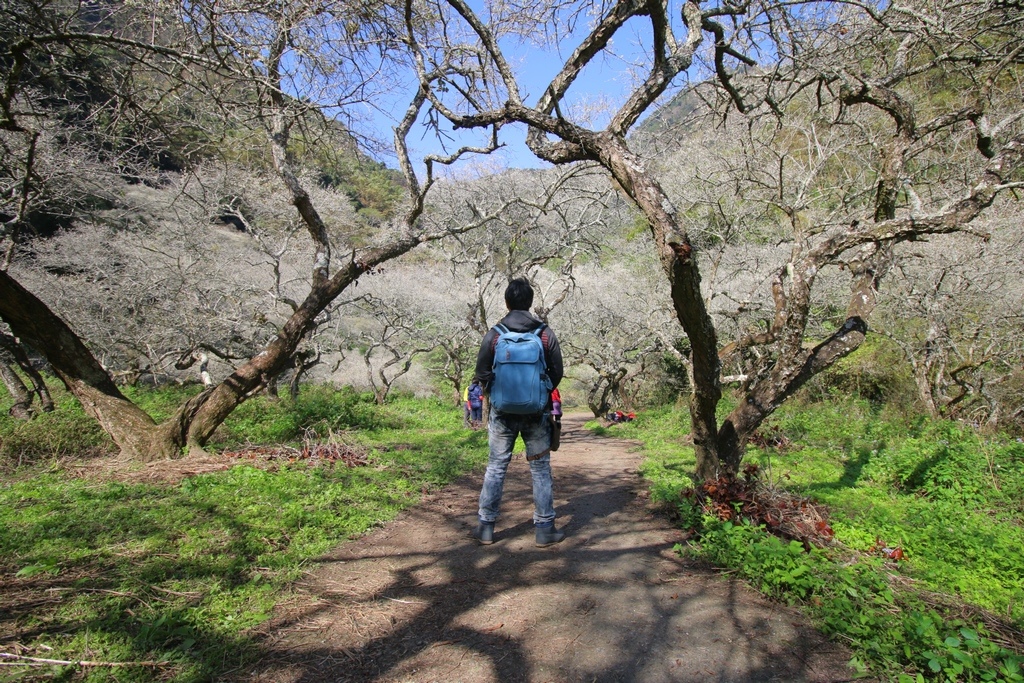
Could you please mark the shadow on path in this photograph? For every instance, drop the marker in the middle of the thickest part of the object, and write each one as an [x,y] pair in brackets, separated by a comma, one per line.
[419,600]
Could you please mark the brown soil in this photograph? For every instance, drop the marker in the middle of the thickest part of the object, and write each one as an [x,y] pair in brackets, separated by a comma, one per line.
[419,600]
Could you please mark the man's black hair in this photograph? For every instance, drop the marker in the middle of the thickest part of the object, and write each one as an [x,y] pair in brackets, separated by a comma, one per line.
[519,295]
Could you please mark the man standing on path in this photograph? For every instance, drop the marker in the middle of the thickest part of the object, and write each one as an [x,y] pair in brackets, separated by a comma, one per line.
[505,425]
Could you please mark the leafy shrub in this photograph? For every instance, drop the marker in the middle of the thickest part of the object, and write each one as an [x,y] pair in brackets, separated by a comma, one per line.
[950,461]
[876,372]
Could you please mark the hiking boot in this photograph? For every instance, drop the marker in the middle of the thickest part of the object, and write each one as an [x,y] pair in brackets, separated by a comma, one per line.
[548,535]
[484,533]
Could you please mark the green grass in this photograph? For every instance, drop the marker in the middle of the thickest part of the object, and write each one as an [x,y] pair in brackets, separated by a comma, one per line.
[67,431]
[122,572]
[138,572]
[952,500]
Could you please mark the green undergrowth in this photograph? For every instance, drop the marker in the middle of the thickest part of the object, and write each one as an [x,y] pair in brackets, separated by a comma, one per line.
[895,634]
[65,432]
[950,500]
[117,571]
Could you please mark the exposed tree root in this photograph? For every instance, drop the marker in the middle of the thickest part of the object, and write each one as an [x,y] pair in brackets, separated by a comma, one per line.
[782,513]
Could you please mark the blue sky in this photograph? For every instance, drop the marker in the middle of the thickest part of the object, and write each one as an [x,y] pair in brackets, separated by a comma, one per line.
[605,82]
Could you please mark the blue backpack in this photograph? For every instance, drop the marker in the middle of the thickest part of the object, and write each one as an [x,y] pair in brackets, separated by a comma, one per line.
[521,385]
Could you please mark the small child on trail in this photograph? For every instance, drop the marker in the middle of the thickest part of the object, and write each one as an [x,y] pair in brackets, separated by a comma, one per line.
[474,400]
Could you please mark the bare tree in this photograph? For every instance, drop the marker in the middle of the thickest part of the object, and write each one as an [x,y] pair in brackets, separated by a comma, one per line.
[390,342]
[897,53]
[615,326]
[954,310]
[436,299]
[255,60]
[537,223]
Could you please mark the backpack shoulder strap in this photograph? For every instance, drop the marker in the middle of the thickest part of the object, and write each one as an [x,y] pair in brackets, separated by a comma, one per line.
[499,330]
[545,341]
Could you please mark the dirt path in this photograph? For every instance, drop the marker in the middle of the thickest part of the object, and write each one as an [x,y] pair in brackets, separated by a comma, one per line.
[419,600]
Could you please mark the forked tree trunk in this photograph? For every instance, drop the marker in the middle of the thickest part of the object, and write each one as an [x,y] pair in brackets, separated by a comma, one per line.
[795,363]
[607,385]
[719,449]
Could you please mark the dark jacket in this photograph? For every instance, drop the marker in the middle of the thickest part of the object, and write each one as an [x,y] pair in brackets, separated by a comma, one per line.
[519,321]
[475,393]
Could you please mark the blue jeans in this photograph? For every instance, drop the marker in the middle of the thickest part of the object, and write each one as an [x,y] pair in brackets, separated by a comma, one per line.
[502,432]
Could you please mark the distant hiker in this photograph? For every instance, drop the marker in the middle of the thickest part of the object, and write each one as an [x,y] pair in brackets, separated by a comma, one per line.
[474,398]
[519,364]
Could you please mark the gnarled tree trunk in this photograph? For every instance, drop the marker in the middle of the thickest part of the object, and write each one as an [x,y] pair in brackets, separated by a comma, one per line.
[12,354]
[134,432]
[607,385]
[19,392]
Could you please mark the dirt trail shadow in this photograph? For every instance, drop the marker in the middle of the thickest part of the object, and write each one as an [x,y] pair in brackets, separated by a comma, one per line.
[419,600]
